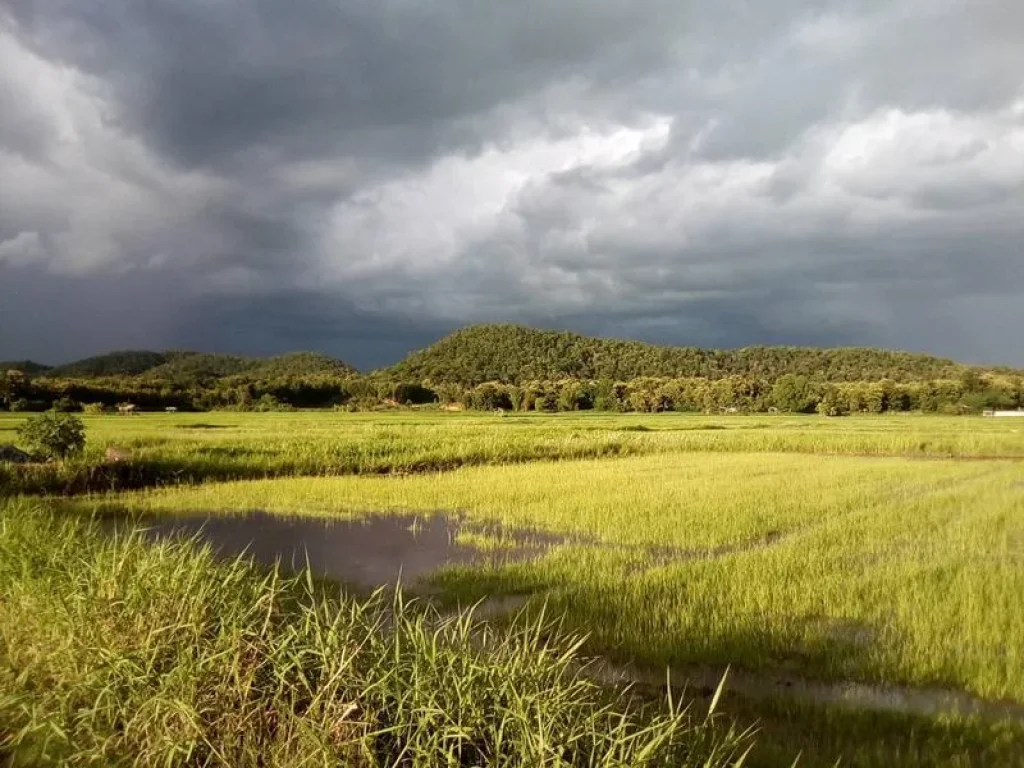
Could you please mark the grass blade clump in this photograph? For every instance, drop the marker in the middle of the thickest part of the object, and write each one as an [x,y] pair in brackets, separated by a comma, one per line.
[116,651]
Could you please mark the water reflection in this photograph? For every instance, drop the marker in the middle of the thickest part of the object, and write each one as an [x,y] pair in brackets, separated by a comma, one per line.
[371,551]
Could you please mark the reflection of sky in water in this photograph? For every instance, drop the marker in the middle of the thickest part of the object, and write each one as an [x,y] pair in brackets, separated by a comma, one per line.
[372,551]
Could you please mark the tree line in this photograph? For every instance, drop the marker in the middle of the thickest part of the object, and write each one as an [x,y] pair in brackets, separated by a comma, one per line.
[522,369]
[792,393]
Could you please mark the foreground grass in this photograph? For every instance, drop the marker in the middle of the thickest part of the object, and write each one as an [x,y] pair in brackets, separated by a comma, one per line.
[115,652]
[188,448]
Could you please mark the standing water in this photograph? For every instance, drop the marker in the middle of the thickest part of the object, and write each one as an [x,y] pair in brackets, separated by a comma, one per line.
[370,551]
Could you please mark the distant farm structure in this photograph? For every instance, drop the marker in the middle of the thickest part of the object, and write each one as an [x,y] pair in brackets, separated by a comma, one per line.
[999,414]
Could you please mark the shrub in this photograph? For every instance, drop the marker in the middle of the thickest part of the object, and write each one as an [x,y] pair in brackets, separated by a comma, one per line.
[516,396]
[832,408]
[572,396]
[546,402]
[65,405]
[793,394]
[448,393]
[54,434]
[268,402]
[94,408]
[412,394]
[488,396]
[833,403]
[357,404]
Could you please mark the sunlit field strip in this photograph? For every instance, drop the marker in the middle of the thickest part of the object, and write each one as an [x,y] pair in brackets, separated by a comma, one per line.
[189,448]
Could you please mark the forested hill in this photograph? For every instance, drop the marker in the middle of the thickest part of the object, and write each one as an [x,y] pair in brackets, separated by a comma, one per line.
[25,366]
[513,354]
[128,362]
[206,366]
[186,365]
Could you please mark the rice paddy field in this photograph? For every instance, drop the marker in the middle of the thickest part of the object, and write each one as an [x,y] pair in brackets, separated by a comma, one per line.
[858,581]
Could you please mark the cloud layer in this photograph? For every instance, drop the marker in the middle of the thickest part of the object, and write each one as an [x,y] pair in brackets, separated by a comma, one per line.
[360,176]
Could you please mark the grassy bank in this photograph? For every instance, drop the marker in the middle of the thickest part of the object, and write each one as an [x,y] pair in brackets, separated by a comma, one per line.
[115,652]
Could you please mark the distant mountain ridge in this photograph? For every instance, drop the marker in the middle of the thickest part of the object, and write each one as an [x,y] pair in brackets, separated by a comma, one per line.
[25,366]
[514,353]
[128,362]
[218,366]
[175,364]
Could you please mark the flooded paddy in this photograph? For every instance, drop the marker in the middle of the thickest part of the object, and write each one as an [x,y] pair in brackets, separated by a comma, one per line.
[385,550]
[370,551]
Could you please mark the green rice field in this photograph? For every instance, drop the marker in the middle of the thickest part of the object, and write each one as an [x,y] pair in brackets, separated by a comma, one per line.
[858,581]
[189,448]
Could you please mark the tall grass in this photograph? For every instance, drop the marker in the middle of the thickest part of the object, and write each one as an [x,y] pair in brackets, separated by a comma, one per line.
[114,651]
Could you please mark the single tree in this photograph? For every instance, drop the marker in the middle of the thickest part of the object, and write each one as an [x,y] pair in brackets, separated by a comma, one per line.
[53,435]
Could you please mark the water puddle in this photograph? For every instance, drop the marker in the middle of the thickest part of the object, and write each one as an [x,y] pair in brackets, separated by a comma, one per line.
[370,551]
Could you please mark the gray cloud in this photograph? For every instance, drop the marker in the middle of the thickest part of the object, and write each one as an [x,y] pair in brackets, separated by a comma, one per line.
[358,177]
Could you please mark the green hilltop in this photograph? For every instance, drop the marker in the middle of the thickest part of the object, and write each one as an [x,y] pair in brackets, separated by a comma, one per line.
[127,362]
[514,353]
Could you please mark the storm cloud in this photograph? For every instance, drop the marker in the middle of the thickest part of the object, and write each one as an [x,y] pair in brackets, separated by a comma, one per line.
[360,176]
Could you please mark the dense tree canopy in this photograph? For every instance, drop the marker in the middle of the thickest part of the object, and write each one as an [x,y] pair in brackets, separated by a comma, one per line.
[512,354]
[177,365]
[123,363]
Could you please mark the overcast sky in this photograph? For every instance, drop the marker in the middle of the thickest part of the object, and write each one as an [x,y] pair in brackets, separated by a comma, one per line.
[362,176]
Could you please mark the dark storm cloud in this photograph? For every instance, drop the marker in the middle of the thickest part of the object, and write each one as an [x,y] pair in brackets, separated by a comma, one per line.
[359,177]
[54,318]
[41,317]
[207,81]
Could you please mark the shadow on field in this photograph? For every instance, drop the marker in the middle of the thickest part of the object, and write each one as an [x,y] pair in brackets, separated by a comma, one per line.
[77,477]
[218,463]
[214,464]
